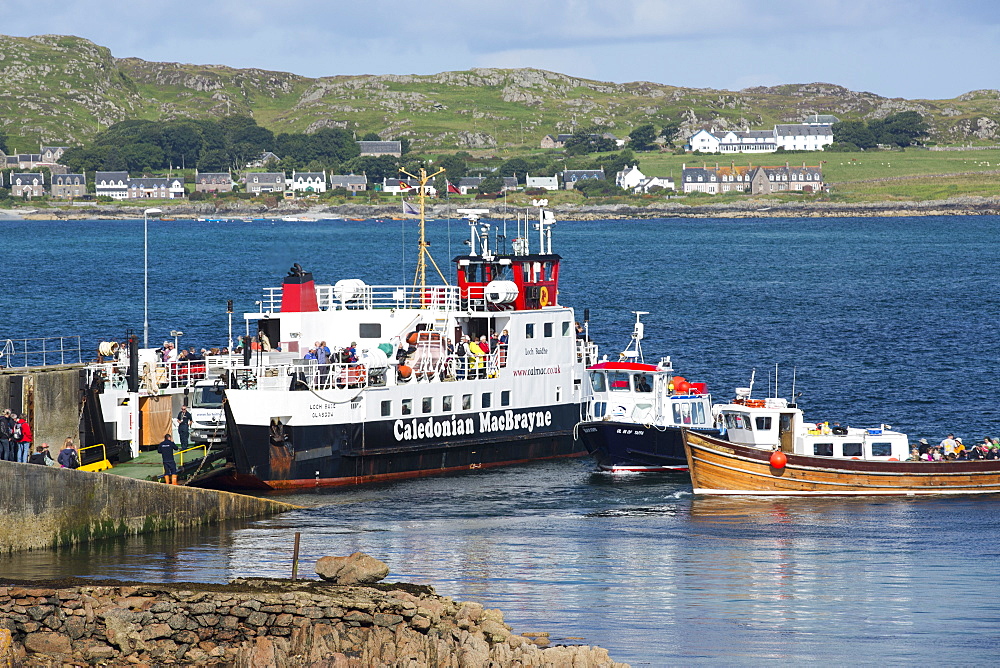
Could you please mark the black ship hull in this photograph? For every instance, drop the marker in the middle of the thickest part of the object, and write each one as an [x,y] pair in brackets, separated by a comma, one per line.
[628,447]
[369,452]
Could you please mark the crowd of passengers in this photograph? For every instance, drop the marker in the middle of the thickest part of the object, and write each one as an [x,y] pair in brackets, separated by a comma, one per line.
[952,449]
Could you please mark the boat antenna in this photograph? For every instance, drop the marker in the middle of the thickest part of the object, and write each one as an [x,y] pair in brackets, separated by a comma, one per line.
[776,380]
[420,277]
[794,399]
[753,374]
[634,354]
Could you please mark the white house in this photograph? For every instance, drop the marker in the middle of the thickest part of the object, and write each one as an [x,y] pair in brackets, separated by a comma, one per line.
[791,137]
[307,182]
[543,182]
[111,184]
[802,137]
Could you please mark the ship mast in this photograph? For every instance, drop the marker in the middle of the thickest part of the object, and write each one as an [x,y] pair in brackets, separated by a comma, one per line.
[420,277]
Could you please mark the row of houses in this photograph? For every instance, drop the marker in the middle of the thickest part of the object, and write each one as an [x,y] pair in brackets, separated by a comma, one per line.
[756,180]
[813,134]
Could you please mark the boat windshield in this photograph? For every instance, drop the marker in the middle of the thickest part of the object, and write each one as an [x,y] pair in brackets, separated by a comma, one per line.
[618,381]
[643,382]
[597,381]
[207,397]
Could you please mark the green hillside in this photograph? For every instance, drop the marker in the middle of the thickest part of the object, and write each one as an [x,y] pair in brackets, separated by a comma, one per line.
[62,90]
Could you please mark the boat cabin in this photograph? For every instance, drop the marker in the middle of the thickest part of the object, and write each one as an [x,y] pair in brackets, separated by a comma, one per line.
[773,423]
[648,394]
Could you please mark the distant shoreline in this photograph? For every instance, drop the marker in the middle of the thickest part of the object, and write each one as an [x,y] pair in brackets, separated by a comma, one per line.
[958,206]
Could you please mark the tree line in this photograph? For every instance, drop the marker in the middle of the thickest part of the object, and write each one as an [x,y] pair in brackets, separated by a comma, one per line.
[905,128]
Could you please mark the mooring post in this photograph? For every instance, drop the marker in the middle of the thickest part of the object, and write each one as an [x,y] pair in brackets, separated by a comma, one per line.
[295,557]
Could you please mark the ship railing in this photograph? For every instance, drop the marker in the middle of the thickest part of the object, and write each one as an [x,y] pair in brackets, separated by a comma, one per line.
[308,375]
[586,351]
[43,351]
[366,297]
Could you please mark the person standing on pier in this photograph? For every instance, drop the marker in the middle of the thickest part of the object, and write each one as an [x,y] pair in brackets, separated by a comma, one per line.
[7,447]
[184,421]
[166,449]
[22,432]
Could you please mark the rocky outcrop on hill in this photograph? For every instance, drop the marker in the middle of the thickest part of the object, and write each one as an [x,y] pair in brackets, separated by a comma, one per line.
[263,623]
[62,90]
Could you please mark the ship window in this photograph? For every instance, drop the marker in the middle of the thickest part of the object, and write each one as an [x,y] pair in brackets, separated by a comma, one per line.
[600,408]
[597,381]
[487,399]
[529,330]
[685,412]
[677,413]
[852,449]
[618,381]
[881,449]
[427,405]
[466,402]
[370,330]
[386,408]
[446,404]
[643,382]
[699,413]
[407,406]
[547,329]
[823,449]
[505,398]
[763,423]
[565,328]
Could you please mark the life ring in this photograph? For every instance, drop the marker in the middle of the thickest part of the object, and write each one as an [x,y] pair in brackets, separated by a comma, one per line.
[543,296]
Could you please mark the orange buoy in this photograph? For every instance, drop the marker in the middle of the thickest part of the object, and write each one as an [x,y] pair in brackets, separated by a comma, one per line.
[682,387]
[778,459]
[411,338]
[893,459]
[404,371]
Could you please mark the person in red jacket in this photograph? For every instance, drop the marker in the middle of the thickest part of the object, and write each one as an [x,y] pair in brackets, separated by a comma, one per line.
[24,444]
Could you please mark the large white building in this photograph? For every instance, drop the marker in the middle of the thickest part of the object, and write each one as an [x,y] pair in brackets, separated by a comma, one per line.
[789,136]
[632,179]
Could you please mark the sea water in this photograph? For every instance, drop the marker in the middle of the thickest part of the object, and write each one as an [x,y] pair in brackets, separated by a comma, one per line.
[877,320]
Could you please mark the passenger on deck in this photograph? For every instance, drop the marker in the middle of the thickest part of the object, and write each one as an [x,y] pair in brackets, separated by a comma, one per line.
[948,444]
[914,455]
[502,344]
[462,358]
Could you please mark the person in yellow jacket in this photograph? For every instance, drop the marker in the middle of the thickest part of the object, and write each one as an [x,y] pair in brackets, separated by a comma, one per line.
[478,362]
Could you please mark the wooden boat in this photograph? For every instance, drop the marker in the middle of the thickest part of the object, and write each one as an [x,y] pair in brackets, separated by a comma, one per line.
[718,466]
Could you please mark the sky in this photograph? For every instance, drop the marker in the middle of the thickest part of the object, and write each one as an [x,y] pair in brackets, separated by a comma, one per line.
[927,49]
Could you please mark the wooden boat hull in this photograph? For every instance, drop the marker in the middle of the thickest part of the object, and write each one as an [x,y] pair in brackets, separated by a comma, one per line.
[720,467]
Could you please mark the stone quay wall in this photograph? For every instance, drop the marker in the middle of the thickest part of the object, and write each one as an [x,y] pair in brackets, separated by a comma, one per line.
[45,507]
[257,623]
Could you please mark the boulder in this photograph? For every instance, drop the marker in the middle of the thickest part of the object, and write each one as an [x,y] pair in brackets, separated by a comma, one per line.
[358,568]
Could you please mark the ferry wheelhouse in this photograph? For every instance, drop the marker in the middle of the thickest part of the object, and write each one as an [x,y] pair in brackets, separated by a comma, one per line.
[408,391]
[635,416]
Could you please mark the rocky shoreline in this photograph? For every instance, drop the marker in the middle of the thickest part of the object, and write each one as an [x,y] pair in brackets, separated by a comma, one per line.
[253,623]
[956,206]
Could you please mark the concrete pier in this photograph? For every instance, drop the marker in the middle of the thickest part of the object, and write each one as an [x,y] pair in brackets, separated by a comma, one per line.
[45,507]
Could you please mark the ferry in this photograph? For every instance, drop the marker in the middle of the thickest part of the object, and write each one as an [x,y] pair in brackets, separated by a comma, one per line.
[398,399]
[634,419]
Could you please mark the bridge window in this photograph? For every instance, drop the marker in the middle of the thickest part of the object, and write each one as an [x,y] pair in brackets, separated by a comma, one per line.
[881,449]
[823,449]
[505,398]
[618,381]
[547,329]
[487,399]
[643,382]
[699,413]
[446,403]
[529,330]
[763,423]
[407,406]
[565,328]
[852,449]
[597,381]
[386,408]
[466,402]
[427,405]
